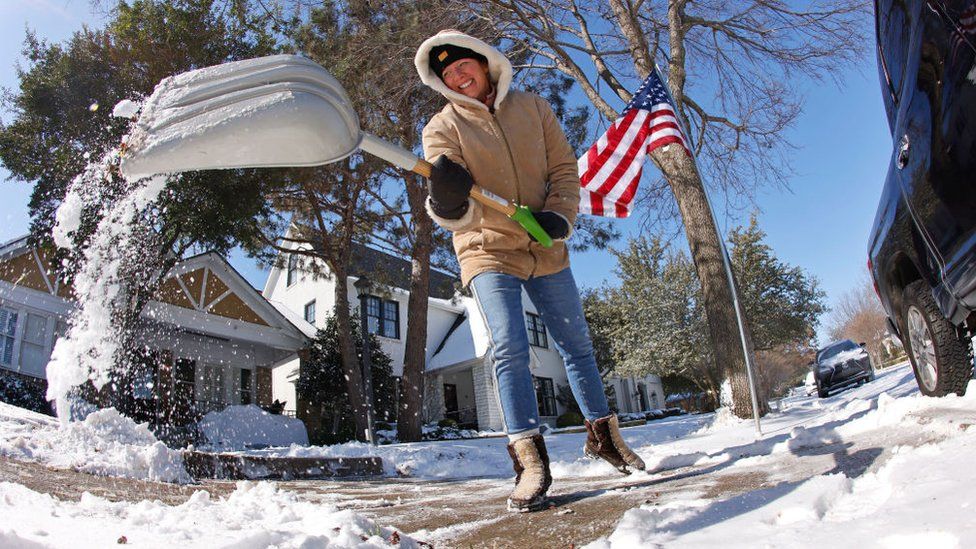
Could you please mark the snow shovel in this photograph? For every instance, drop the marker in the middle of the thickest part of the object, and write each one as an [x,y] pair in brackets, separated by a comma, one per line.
[276,111]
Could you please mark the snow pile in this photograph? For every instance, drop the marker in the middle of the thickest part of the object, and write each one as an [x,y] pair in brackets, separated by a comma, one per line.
[254,516]
[723,418]
[914,498]
[908,502]
[243,427]
[427,460]
[432,431]
[105,443]
[874,466]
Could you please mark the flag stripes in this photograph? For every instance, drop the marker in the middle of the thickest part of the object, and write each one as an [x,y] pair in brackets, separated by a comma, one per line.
[611,169]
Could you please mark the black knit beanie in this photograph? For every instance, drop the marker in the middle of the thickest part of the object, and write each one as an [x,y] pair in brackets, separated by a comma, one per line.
[445,54]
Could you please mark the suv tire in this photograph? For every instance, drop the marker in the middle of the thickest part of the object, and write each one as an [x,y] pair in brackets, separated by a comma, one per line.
[940,357]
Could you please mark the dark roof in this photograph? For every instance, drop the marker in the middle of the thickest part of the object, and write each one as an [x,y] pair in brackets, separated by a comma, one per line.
[390,270]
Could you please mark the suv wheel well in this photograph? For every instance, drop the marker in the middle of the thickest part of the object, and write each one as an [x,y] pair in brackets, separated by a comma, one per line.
[902,273]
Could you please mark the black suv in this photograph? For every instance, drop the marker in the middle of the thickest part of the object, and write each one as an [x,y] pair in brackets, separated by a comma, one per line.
[922,252]
[841,364]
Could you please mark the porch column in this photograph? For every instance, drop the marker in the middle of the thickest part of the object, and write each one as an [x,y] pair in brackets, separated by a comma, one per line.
[164,385]
[486,396]
[435,402]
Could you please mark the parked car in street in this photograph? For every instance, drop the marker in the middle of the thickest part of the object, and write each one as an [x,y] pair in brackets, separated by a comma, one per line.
[922,249]
[841,364]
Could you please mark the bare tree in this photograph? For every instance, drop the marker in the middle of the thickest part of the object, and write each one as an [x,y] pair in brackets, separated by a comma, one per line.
[859,316]
[323,213]
[729,66]
[784,366]
[381,39]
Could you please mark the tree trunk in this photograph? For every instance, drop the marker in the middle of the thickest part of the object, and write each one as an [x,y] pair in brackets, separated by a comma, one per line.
[410,408]
[347,347]
[706,252]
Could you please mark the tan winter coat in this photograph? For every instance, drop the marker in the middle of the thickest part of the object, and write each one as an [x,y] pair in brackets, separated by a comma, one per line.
[519,152]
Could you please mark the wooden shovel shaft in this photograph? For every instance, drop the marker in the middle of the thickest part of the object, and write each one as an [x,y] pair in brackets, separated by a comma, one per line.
[486,198]
[405,159]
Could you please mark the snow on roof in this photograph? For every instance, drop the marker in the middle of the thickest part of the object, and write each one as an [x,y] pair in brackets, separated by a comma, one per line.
[459,347]
[468,341]
[13,244]
[293,317]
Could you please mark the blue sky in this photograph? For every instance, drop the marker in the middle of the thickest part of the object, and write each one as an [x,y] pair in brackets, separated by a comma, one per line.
[820,224]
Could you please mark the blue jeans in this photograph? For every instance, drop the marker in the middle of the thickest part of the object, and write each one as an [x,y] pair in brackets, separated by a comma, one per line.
[556,297]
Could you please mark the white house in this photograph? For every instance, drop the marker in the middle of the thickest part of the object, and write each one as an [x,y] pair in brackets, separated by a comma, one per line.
[210,338]
[458,384]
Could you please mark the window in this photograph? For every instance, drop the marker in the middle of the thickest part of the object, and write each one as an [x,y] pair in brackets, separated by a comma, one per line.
[246,391]
[211,389]
[310,312]
[143,372]
[34,354]
[292,276]
[184,380]
[383,317]
[545,396]
[537,331]
[894,39]
[8,328]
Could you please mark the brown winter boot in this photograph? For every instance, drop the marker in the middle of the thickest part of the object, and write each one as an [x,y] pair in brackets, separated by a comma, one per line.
[603,440]
[532,478]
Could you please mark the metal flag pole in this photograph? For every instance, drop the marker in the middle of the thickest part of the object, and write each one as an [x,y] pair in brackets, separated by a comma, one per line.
[726,263]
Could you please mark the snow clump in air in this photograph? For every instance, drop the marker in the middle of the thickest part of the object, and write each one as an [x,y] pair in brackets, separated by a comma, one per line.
[126,108]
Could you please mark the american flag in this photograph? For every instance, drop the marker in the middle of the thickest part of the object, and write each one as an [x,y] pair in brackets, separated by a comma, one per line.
[611,169]
[965,32]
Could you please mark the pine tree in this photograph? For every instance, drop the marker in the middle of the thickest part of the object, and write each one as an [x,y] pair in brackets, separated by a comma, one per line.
[654,322]
[324,403]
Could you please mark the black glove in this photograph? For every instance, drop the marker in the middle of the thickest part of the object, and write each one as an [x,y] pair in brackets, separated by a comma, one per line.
[554,224]
[449,187]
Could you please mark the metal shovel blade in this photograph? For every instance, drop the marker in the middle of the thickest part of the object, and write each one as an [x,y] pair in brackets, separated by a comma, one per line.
[276,111]
[282,110]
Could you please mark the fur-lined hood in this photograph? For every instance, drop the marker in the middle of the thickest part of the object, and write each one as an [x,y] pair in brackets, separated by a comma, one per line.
[499,68]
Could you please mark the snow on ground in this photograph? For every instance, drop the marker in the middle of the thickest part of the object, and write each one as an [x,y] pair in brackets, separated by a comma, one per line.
[255,515]
[919,494]
[921,497]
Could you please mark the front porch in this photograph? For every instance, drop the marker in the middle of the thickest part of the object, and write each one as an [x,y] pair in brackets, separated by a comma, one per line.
[450,394]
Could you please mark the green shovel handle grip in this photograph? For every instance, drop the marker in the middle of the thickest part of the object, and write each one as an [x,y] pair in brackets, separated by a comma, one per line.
[520,214]
[525,218]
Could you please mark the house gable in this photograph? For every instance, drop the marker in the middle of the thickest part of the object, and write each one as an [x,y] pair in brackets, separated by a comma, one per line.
[205,284]
[31,268]
[202,289]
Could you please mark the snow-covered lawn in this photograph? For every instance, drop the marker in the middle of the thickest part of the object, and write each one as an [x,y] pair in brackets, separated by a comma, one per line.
[914,487]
